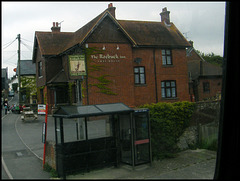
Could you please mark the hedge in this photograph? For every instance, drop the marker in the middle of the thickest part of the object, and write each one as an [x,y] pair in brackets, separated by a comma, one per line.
[168,122]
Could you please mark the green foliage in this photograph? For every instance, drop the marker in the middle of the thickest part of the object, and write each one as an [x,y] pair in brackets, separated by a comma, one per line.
[168,122]
[70,87]
[102,85]
[102,81]
[28,86]
[51,170]
[212,58]
[209,145]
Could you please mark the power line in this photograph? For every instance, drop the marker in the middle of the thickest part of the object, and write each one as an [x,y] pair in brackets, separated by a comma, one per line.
[27,46]
[27,40]
[9,44]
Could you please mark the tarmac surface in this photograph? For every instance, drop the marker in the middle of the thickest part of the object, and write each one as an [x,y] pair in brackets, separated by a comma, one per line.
[189,164]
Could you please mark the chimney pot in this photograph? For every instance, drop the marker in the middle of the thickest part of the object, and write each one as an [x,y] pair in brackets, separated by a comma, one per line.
[55,27]
[111,9]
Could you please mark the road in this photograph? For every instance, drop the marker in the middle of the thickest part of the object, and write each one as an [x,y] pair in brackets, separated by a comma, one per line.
[22,153]
[18,162]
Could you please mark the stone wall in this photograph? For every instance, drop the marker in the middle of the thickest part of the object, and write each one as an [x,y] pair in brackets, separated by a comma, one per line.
[204,125]
[50,158]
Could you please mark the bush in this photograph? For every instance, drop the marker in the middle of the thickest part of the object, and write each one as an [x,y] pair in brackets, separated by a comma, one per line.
[51,170]
[209,145]
[168,122]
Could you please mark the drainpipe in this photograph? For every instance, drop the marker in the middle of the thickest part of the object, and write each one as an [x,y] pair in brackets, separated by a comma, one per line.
[155,75]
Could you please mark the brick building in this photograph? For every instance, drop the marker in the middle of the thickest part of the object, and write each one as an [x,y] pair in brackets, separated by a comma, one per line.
[134,62]
[205,79]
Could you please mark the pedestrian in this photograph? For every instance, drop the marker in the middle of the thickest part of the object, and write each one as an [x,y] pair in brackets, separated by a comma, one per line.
[6,106]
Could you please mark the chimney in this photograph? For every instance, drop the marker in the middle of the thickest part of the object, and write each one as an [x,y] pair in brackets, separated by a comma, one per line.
[111,9]
[191,42]
[55,27]
[165,16]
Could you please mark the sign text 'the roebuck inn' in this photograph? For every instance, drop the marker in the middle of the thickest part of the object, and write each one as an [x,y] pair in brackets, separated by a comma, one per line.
[108,58]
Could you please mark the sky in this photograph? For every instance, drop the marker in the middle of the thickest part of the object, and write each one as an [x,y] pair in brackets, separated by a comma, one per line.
[201,22]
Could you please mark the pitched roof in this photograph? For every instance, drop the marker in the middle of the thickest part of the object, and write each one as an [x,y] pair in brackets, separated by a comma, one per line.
[60,77]
[140,33]
[52,43]
[148,33]
[208,69]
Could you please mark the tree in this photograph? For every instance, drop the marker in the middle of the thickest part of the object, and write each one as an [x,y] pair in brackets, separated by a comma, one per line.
[212,58]
[28,86]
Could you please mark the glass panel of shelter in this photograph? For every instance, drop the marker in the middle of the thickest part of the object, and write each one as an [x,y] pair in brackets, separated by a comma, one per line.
[125,138]
[58,135]
[141,138]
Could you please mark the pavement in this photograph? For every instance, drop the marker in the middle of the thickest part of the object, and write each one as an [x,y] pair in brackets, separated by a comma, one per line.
[188,164]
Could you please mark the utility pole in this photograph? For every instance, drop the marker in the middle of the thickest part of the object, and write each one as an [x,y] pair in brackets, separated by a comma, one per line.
[79,103]
[19,77]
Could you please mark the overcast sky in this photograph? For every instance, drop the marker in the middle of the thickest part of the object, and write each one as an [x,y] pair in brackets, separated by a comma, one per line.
[201,22]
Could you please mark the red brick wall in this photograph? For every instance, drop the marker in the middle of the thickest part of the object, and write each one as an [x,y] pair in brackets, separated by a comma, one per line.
[122,75]
[215,87]
[178,71]
[145,93]
[120,71]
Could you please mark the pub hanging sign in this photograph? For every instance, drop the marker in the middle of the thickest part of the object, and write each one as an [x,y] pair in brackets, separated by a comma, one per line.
[77,65]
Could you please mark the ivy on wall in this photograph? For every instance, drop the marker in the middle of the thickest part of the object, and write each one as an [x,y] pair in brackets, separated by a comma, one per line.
[102,81]
[70,91]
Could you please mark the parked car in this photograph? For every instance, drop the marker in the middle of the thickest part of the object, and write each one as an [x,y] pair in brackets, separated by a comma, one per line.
[28,114]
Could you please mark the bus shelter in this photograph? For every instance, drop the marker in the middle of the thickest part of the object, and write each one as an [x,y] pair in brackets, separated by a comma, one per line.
[99,135]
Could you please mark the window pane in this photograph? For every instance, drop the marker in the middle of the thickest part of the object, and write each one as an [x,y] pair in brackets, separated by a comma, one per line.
[141,69]
[168,52]
[136,70]
[167,84]
[163,52]
[136,79]
[163,92]
[163,84]
[172,83]
[142,79]
[173,92]
[169,61]
[168,92]
[164,60]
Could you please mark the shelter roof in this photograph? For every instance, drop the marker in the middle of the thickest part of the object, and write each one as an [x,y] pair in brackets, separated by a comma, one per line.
[91,110]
